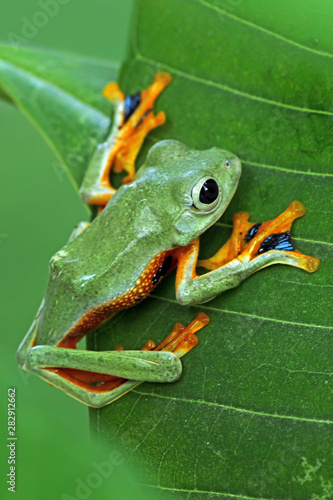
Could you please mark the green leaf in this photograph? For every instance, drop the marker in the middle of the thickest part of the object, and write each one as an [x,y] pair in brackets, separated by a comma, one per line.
[252,415]
[62,96]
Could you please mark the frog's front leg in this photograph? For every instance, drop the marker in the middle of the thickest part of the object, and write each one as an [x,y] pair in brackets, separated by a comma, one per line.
[115,372]
[251,248]
[133,119]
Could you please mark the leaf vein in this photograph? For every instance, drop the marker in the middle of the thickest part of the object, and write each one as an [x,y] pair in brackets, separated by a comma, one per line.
[226,88]
[264,30]
[202,492]
[234,408]
[227,311]
[154,139]
[284,169]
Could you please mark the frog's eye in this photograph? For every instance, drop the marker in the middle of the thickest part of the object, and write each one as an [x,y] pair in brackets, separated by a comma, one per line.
[206,194]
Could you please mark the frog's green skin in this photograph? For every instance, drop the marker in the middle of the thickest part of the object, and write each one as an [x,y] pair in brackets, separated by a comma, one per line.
[152,214]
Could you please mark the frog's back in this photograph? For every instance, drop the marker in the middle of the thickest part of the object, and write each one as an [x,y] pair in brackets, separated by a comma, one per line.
[113,264]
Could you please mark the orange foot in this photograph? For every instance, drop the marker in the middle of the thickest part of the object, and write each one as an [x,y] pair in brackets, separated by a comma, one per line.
[249,240]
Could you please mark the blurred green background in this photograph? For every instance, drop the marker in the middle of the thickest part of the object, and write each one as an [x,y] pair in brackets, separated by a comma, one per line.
[53,448]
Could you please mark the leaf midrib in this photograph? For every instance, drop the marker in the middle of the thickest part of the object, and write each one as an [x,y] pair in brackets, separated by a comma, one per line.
[267,31]
[47,139]
[55,86]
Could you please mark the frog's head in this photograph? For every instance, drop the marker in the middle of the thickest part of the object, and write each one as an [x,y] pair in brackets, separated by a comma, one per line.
[190,189]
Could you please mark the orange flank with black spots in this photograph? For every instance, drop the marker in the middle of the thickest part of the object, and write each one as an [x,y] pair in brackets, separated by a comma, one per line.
[158,267]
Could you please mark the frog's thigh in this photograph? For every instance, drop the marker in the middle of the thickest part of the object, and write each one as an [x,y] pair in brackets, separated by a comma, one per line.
[138,365]
[159,365]
[26,357]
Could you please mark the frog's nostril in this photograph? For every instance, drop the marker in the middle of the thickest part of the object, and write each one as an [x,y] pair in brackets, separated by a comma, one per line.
[227,164]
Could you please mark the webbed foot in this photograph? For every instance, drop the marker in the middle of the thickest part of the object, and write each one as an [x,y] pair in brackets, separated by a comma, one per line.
[133,119]
[250,240]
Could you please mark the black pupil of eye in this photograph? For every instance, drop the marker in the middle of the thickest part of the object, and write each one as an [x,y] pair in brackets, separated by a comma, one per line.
[209,192]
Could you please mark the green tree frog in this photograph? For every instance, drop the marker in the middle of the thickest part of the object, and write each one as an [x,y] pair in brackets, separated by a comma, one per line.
[148,227]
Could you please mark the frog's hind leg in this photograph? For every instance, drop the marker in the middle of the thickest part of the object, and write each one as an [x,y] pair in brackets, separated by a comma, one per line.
[182,339]
[28,341]
[133,120]
[128,369]
[249,240]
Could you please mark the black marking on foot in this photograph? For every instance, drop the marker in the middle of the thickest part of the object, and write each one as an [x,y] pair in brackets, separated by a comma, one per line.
[252,232]
[131,103]
[280,241]
[144,116]
[162,271]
